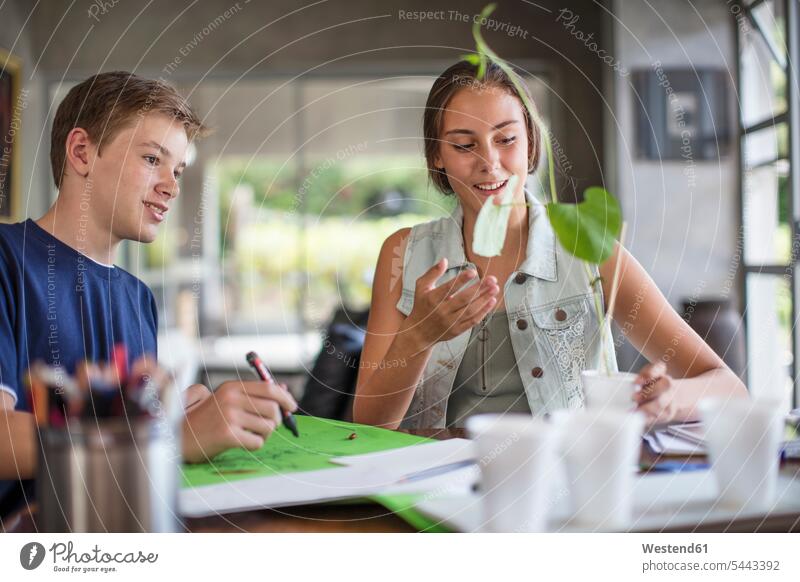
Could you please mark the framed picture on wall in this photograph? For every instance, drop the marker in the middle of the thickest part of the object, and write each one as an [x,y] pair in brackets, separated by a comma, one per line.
[682,114]
[11,107]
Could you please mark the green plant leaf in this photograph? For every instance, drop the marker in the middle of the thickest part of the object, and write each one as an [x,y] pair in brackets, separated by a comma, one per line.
[588,230]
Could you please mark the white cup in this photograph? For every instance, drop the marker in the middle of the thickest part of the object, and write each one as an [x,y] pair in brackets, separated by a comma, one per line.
[609,391]
[516,456]
[600,450]
[743,438]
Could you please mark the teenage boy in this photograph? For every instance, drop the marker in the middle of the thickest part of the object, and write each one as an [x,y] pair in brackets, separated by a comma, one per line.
[118,147]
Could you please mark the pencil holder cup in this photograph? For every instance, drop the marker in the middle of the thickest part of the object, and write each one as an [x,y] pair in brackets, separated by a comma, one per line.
[109,475]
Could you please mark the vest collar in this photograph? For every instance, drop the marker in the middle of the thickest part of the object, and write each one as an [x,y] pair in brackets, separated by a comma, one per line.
[540,254]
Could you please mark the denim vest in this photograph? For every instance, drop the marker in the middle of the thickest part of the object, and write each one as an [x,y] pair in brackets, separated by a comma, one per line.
[552,318]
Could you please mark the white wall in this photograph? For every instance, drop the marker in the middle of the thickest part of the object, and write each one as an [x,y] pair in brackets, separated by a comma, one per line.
[684,233]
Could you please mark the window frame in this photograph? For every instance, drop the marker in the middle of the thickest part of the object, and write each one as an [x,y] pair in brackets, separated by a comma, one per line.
[792,118]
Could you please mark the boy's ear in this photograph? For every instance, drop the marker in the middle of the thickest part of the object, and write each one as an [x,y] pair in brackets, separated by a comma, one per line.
[80,151]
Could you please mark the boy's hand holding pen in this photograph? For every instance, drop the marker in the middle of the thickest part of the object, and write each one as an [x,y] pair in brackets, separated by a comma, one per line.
[261,370]
[237,414]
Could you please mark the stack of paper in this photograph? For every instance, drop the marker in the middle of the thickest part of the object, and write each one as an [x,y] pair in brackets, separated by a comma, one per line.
[330,461]
[689,439]
[681,439]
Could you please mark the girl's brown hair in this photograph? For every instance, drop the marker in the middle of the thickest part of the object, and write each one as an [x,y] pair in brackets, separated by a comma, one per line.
[460,76]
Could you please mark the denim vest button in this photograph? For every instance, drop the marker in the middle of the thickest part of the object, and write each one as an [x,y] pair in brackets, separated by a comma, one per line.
[561,315]
[537,372]
[520,278]
[522,324]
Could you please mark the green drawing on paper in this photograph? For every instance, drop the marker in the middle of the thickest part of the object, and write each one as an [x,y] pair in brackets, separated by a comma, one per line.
[320,439]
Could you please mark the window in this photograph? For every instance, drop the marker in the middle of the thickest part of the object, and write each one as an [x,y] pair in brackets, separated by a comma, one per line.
[769,215]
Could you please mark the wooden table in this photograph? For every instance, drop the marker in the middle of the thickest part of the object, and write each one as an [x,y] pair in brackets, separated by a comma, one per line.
[369,518]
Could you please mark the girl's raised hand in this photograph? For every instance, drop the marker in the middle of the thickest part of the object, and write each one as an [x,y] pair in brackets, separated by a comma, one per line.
[444,312]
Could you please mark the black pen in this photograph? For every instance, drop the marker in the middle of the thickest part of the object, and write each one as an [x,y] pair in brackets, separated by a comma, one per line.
[263,373]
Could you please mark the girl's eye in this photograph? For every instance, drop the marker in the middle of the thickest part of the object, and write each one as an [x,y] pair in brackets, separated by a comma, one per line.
[463,148]
[151,160]
[508,140]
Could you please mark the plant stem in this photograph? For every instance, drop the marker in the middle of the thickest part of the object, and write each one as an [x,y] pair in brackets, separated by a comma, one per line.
[484,51]
[615,282]
[594,282]
[605,321]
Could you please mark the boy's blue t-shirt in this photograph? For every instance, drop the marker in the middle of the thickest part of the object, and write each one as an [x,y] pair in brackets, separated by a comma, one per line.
[59,306]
